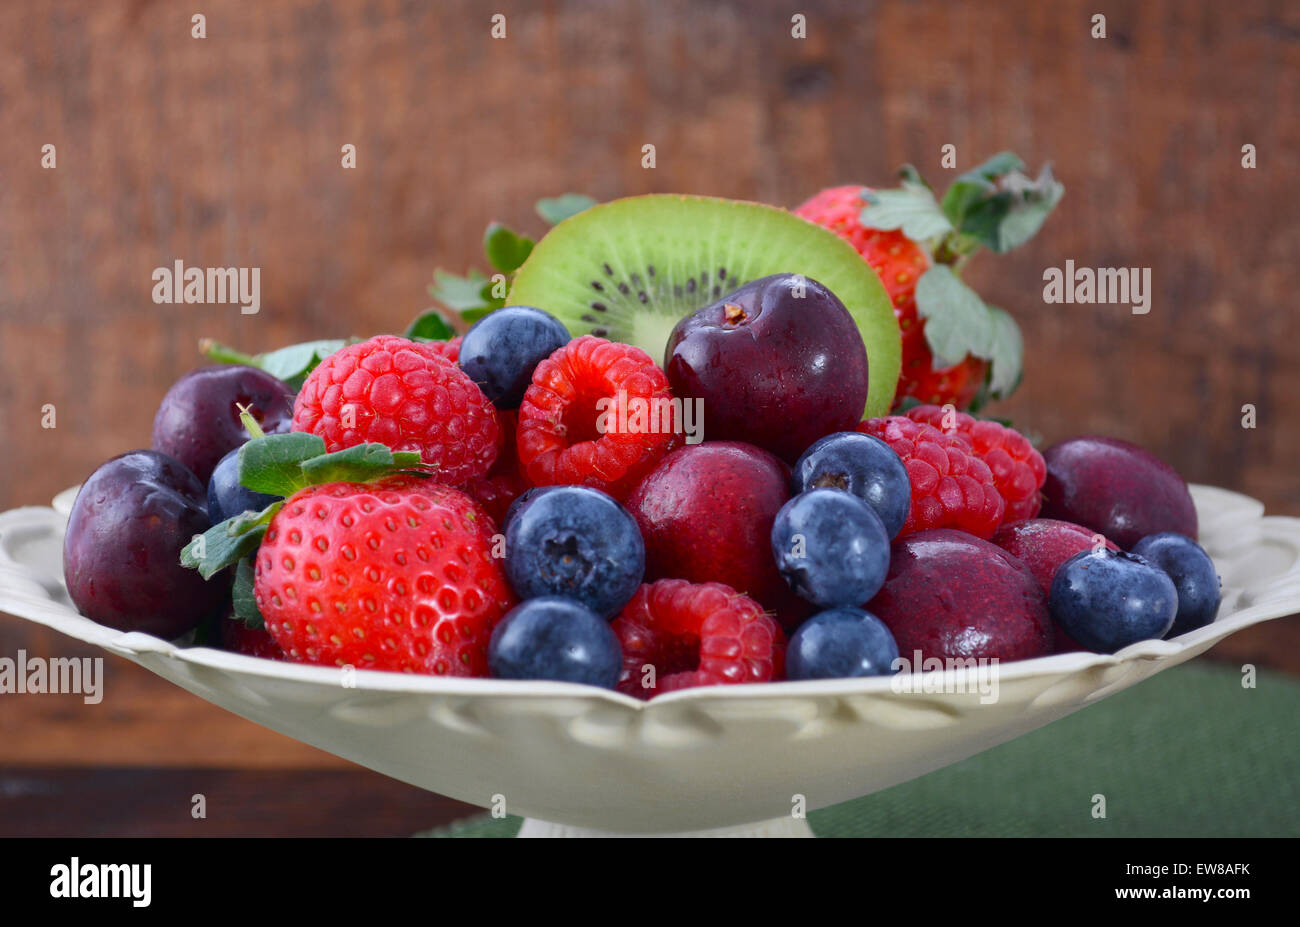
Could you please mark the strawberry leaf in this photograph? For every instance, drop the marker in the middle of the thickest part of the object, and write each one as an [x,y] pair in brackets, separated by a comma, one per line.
[473,315]
[505,250]
[274,464]
[911,208]
[290,364]
[429,326]
[242,601]
[908,174]
[977,184]
[224,544]
[957,321]
[245,521]
[357,464]
[1006,354]
[491,302]
[1012,210]
[458,293]
[555,210]
[1032,201]
[281,465]
[298,360]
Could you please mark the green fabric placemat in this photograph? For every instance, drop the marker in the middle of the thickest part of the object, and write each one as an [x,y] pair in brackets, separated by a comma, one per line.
[1188,753]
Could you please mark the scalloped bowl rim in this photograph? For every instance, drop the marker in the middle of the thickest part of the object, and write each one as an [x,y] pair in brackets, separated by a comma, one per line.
[128,643]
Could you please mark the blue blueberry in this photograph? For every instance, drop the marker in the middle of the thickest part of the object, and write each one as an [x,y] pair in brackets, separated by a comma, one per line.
[555,638]
[1109,600]
[841,643]
[578,542]
[501,350]
[226,497]
[831,547]
[863,465]
[1193,573]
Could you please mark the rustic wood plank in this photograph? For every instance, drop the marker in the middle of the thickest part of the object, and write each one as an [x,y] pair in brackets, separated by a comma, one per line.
[142,720]
[113,802]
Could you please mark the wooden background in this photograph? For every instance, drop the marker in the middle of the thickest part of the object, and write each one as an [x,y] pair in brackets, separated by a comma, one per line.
[225,151]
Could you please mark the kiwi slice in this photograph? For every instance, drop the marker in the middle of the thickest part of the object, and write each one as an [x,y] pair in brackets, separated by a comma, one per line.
[629,269]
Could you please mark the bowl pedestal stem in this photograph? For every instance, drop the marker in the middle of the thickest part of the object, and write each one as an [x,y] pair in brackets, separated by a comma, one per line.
[777,827]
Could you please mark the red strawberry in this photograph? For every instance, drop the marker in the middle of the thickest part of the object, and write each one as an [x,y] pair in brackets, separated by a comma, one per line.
[696,634]
[394,575]
[955,348]
[899,262]
[404,394]
[254,642]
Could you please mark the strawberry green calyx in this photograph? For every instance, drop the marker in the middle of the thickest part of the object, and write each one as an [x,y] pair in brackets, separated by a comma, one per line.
[998,207]
[471,296]
[475,294]
[911,208]
[243,604]
[994,206]
[505,249]
[430,325]
[281,465]
[556,209]
[290,364]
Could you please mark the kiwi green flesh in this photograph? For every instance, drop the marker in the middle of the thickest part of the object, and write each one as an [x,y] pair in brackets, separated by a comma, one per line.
[630,269]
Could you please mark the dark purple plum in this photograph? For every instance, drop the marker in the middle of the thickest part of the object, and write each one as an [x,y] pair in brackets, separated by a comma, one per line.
[1116,489]
[778,364]
[198,420]
[121,553]
[706,513]
[951,595]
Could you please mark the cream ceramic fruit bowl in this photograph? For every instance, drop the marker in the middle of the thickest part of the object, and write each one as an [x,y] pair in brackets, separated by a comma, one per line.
[703,759]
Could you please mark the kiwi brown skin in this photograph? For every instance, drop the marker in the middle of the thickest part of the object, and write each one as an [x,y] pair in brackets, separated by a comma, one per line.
[630,269]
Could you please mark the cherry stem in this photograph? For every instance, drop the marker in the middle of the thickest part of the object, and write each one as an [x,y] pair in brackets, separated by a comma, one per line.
[250,423]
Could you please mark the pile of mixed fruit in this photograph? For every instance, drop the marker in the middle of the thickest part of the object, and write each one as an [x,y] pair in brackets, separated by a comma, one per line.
[798,491]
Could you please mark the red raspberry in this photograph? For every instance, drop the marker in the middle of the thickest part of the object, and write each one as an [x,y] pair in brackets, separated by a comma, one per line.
[951,486]
[496,493]
[696,634]
[1018,469]
[395,575]
[406,395]
[449,349]
[559,442]
[508,460]
[504,482]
